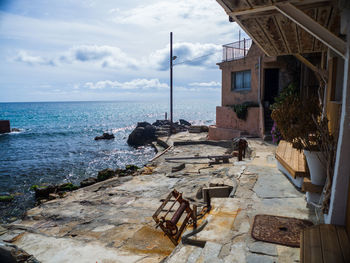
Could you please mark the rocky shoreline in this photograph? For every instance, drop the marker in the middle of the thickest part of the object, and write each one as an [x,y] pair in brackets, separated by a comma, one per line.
[111,220]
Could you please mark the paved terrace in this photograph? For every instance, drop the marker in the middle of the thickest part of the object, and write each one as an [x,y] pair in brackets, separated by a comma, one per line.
[111,221]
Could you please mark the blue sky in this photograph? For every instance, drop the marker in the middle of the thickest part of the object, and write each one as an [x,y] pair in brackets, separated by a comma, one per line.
[110,50]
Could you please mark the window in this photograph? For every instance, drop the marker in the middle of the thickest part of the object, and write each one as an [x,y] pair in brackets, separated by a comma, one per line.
[240,80]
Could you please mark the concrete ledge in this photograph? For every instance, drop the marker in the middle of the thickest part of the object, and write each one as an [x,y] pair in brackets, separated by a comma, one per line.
[216,191]
[216,133]
[221,143]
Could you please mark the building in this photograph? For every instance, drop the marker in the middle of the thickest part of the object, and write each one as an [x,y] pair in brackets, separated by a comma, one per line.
[252,78]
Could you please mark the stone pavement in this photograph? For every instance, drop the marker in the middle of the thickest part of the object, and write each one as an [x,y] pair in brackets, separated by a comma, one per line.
[111,221]
[262,189]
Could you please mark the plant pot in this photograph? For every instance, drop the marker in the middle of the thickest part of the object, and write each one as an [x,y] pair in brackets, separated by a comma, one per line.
[316,163]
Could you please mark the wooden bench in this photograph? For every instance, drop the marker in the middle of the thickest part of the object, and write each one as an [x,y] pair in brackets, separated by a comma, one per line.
[324,243]
[291,159]
[293,162]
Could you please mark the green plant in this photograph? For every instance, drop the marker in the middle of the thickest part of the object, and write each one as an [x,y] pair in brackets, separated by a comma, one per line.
[6,198]
[289,91]
[296,118]
[242,109]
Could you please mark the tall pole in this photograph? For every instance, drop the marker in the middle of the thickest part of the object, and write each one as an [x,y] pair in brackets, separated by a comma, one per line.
[171,81]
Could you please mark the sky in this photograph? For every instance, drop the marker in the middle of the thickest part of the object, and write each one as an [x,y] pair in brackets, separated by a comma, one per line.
[85,50]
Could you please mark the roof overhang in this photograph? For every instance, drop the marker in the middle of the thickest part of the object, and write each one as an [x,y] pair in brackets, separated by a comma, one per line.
[288,27]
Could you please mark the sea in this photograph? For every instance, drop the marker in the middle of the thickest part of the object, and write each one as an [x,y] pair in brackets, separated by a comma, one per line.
[55,142]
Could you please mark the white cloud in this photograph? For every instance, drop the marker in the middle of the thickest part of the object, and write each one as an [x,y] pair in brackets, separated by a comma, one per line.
[205,84]
[106,56]
[171,12]
[190,54]
[136,84]
[24,57]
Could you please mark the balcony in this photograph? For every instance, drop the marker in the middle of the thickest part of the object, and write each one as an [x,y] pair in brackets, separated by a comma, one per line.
[236,50]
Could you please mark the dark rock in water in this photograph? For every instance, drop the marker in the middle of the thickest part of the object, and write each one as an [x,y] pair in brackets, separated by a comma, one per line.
[142,124]
[161,123]
[150,131]
[15,130]
[13,254]
[43,191]
[105,174]
[67,187]
[184,122]
[6,198]
[88,181]
[121,172]
[5,126]
[131,167]
[142,135]
[105,136]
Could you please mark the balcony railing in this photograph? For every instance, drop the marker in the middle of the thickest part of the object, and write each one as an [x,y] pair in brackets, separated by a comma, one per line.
[236,50]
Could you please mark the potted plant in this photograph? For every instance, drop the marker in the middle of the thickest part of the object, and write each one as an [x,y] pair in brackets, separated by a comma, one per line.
[297,118]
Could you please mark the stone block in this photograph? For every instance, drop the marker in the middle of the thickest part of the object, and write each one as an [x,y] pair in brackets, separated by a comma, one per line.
[5,126]
[217,191]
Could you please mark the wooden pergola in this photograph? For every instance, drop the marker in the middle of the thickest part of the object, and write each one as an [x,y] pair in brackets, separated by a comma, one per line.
[287,27]
[299,27]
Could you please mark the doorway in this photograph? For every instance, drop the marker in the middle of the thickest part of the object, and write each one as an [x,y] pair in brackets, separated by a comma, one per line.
[271,88]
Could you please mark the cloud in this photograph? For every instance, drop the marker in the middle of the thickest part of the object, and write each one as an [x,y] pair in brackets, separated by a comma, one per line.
[170,13]
[106,56]
[191,54]
[24,57]
[136,84]
[205,84]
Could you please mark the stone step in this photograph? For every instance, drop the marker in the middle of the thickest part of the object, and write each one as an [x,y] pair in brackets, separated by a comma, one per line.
[210,253]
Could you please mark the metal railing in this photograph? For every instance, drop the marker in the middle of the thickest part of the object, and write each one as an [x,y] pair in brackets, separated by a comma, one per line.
[236,50]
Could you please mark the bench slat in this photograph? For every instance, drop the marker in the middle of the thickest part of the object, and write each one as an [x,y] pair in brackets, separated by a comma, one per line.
[344,243]
[330,245]
[291,159]
[313,246]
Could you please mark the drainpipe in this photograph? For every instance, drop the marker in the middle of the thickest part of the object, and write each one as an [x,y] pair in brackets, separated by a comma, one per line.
[259,82]
[262,120]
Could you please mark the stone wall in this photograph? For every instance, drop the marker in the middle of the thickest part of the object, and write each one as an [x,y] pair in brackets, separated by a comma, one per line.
[227,118]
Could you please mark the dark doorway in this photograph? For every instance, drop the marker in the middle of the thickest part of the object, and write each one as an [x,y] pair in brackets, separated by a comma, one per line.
[271,84]
[271,87]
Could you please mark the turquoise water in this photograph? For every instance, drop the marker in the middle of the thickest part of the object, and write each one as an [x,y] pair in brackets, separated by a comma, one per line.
[56,142]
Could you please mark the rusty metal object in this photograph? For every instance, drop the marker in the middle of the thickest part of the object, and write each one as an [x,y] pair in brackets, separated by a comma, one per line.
[242,146]
[216,157]
[170,226]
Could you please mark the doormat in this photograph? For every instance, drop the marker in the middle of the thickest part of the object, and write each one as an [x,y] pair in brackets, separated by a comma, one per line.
[278,229]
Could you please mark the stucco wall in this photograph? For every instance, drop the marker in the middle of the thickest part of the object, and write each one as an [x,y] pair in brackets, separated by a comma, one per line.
[237,97]
[227,118]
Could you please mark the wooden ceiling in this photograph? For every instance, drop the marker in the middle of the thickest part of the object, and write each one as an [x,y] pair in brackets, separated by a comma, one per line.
[274,32]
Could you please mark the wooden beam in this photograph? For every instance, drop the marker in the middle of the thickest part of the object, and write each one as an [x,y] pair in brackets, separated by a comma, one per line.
[311,66]
[250,35]
[253,10]
[224,6]
[314,28]
[282,34]
[249,9]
